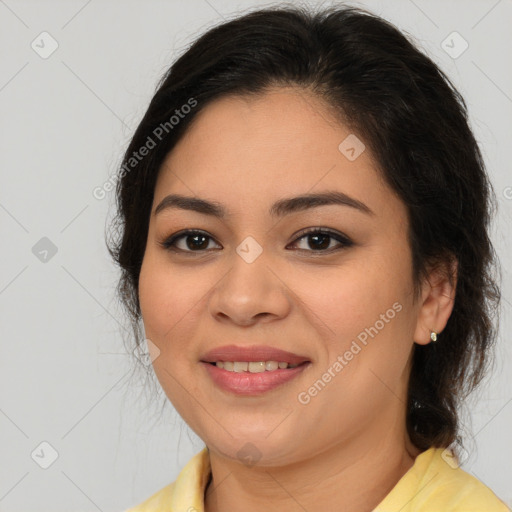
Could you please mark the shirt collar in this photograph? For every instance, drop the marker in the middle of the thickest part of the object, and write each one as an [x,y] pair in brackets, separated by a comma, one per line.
[189,487]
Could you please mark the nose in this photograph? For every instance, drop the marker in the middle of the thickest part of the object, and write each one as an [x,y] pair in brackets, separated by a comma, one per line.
[250,292]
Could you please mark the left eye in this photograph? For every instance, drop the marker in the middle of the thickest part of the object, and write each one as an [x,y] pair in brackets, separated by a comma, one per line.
[318,241]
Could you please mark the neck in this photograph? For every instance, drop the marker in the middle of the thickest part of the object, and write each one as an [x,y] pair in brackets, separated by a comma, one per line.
[356,476]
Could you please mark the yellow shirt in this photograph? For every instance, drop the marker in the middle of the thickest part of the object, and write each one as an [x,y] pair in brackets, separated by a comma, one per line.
[432,484]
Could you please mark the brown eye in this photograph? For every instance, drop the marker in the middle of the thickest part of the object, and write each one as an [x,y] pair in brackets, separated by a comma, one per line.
[193,241]
[319,240]
[316,240]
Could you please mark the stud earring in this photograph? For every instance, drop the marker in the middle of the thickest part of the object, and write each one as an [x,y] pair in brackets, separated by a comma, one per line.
[433,335]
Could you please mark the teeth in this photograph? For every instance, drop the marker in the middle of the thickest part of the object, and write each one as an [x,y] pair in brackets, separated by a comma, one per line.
[253,366]
[240,367]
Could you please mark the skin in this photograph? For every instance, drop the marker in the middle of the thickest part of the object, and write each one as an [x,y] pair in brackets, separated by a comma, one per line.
[348,447]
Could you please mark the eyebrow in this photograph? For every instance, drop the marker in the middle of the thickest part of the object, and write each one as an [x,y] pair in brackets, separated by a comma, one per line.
[280,208]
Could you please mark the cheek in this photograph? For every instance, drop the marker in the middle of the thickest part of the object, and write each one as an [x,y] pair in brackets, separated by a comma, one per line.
[168,301]
[365,311]
[362,306]
[166,296]
[349,297]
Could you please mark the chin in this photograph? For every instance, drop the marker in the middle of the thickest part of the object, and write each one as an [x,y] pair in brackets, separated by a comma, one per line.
[255,450]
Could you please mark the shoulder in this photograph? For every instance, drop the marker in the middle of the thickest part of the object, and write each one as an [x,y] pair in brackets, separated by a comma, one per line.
[461,491]
[436,482]
[186,492]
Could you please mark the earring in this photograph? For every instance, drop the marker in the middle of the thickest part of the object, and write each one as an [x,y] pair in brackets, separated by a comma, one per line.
[433,335]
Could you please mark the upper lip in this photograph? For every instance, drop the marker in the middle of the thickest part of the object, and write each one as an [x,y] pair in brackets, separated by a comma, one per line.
[251,353]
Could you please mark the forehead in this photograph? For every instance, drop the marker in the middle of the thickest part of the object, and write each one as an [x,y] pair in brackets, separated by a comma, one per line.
[260,148]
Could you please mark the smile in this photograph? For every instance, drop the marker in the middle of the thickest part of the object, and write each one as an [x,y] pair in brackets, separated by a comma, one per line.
[251,378]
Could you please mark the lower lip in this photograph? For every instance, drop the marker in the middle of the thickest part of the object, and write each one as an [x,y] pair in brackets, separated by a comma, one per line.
[247,383]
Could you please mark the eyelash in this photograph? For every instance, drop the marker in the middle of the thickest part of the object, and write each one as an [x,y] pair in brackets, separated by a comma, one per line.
[345,242]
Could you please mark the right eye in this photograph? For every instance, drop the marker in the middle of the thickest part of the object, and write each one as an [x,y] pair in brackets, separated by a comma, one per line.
[194,241]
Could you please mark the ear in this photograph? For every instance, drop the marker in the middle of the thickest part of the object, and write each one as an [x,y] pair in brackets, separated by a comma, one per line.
[436,301]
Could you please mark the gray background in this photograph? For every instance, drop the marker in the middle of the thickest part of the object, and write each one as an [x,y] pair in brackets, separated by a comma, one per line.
[65,377]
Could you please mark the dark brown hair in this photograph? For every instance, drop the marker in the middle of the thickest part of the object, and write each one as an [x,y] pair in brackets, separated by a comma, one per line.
[415,123]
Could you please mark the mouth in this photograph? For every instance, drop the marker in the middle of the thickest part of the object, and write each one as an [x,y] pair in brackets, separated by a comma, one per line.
[252,370]
[254,366]
[251,383]
[266,358]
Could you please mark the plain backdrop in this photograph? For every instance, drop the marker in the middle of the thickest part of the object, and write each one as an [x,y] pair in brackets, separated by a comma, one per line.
[75,80]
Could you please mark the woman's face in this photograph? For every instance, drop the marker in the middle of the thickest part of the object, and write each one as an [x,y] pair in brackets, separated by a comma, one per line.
[252,277]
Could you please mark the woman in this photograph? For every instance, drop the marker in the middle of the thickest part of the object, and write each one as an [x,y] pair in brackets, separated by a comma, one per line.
[303,231]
